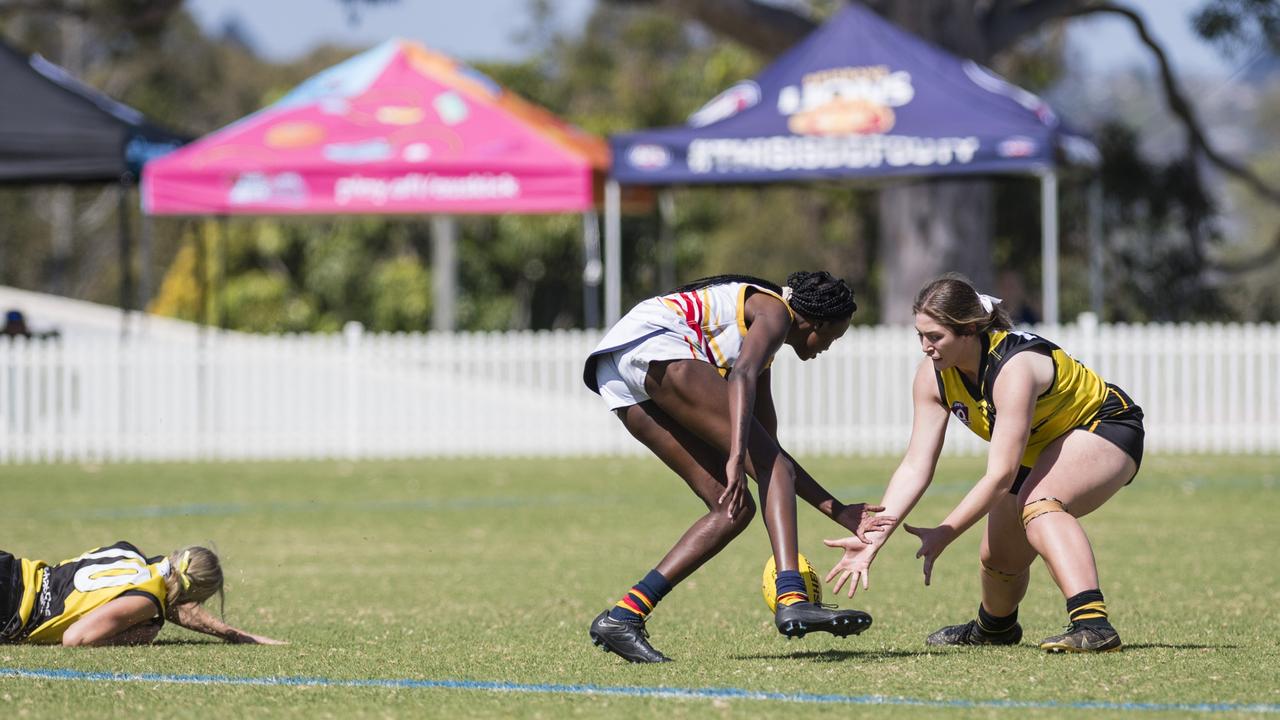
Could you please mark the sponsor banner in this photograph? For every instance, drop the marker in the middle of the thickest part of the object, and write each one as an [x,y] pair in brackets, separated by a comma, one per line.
[356,189]
[788,153]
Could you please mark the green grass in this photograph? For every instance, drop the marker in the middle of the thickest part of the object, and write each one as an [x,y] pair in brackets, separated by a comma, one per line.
[491,571]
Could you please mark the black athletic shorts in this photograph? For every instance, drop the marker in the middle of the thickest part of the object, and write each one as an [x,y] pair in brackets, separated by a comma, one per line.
[10,595]
[1119,420]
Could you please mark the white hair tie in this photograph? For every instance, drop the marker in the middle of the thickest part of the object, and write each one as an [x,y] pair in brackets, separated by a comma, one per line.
[989,303]
[786,293]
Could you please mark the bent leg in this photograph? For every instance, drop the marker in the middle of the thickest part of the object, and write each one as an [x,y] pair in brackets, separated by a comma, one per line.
[1006,558]
[1082,471]
[702,468]
[693,394]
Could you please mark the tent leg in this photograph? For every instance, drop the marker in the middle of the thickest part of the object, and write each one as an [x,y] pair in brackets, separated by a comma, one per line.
[592,270]
[146,231]
[202,275]
[612,253]
[666,239]
[444,272]
[220,278]
[1096,268]
[1049,241]
[126,258]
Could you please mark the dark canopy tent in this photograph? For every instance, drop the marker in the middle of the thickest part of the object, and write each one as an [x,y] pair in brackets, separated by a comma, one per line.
[858,98]
[55,129]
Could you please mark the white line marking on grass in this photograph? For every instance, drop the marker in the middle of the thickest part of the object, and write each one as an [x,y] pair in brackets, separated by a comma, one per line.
[626,691]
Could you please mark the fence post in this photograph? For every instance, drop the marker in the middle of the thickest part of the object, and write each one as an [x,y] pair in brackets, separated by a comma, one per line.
[352,332]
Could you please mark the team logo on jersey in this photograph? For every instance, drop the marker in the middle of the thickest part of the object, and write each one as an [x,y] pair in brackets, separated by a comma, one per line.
[961,411]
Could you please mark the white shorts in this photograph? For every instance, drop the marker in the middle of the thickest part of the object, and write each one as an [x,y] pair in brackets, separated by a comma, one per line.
[620,373]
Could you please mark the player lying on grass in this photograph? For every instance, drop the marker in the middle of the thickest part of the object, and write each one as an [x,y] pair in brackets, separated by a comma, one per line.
[688,375]
[111,596]
[1065,443]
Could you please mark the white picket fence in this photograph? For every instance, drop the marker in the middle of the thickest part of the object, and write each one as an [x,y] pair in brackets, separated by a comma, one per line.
[1205,388]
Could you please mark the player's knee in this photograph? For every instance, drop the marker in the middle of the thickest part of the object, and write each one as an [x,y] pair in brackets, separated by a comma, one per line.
[1041,507]
[740,521]
[998,571]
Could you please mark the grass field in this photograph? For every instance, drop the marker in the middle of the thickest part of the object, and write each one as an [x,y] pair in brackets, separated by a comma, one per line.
[487,573]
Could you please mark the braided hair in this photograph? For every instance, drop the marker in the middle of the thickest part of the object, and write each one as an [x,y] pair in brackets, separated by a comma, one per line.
[820,296]
[816,295]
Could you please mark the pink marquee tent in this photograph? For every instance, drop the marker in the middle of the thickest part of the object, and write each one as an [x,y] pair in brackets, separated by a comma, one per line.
[396,129]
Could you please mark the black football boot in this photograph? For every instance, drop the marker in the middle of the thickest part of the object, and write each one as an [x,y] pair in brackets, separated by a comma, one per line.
[629,640]
[971,633]
[798,619]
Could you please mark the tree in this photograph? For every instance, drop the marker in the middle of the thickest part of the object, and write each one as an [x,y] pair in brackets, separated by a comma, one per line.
[931,226]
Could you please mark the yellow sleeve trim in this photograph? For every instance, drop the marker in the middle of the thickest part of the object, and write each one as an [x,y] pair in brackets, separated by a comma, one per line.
[742,305]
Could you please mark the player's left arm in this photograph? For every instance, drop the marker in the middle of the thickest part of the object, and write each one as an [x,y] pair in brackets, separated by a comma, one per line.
[122,621]
[193,616]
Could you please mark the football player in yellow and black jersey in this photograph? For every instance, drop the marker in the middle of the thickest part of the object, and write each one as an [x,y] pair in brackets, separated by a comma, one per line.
[111,595]
[1063,442]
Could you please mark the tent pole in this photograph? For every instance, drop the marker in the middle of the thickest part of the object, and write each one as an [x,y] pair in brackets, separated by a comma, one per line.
[145,234]
[1049,243]
[612,252]
[126,257]
[220,279]
[1096,268]
[592,270]
[666,238]
[444,272]
[202,276]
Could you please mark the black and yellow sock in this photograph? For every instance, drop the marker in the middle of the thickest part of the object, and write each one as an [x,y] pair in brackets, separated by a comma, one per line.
[1087,608]
[992,624]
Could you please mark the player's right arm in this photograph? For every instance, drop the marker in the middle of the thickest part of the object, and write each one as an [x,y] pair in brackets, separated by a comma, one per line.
[909,481]
[114,623]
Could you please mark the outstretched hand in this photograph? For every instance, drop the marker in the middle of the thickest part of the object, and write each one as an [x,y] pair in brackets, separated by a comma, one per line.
[932,542]
[244,638]
[855,566]
[861,518]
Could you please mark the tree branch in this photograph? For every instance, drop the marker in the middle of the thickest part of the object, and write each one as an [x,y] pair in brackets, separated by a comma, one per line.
[57,7]
[769,30]
[1180,107]
[1196,138]
[1006,20]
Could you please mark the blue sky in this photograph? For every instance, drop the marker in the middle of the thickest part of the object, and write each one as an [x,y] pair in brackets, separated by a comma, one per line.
[476,30]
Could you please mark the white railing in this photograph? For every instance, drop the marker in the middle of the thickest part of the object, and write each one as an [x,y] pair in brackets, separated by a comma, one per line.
[231,397]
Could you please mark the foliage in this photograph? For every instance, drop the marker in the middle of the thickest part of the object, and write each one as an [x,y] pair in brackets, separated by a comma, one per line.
[633,65]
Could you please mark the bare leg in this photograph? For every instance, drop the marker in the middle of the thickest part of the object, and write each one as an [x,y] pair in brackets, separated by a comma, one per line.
[702,468]
[694,395]
[1006,558]
[1083,471]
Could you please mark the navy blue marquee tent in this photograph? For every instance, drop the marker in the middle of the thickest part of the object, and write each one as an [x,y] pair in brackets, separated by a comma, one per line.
[859,98]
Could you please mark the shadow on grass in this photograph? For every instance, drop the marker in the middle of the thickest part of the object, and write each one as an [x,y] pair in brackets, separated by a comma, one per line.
[1176,646]
[173,641]
[833,655]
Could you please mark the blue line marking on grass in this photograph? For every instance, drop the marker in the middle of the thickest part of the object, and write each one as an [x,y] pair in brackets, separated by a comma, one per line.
[641,692]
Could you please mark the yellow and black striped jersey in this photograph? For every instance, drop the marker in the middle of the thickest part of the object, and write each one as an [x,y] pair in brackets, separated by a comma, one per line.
[1072,399]
[55,597]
